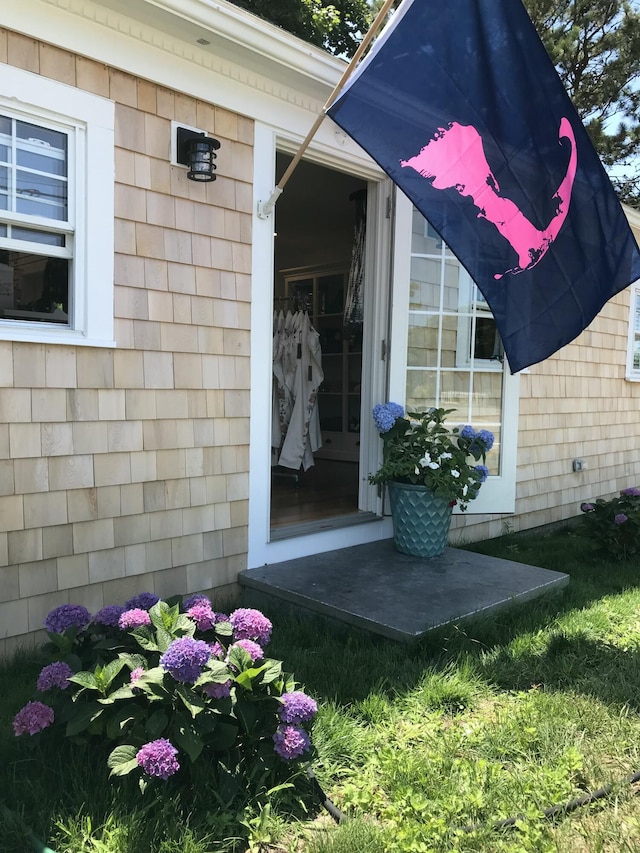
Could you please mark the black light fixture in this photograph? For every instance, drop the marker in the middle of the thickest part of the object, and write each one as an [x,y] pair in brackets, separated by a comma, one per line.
[197,151]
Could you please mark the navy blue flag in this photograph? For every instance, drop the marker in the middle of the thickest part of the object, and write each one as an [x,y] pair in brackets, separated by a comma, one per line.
[460,104]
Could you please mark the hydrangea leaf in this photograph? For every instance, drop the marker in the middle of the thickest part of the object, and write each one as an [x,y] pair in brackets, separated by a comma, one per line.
[189,740]
[224,629]
[146,638]
[86,680]
[272,671]
[82,718]
[120,720]
[122,760]
[156,724]
[224,736]
[192,702]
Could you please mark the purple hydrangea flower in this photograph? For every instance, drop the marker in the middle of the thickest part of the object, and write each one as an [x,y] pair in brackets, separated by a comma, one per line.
[109,615]
[218,691]
[290,742]
[383,418]
[202,614]
[486,437]
[135,618]
[221,617]
[54,675]
[196,598]
[632,492]
[483,471]
[158,758]
[217,650]
[142,601]
[297,707]
[33,718]
[253,649]
[135,674]
[250,624]
[468,432]
[621,518]
[67,616]
[587,507]
[186,658]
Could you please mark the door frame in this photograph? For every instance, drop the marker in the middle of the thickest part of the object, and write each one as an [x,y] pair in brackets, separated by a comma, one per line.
[261,550]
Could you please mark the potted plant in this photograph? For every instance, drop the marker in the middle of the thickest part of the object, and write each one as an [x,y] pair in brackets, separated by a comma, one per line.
[428,469]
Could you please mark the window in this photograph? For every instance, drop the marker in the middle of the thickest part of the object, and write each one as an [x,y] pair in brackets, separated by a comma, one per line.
[633,356]
[56,212]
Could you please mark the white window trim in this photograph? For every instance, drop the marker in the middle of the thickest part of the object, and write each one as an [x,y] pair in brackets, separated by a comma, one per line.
[633,373]
[91,121]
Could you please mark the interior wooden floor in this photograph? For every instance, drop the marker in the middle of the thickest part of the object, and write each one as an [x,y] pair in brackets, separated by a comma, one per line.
[326,490]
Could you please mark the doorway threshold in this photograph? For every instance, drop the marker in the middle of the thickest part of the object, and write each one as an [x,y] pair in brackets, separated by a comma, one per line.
[288,531]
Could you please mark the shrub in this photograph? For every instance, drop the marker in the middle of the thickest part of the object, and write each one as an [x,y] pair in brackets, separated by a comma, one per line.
[175,687]
[614,524]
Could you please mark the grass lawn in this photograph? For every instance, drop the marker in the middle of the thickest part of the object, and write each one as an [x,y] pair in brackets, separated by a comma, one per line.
[424,747]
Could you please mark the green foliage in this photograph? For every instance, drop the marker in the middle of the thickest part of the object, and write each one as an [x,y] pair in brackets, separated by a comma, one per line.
[614,525]
[419,449]
[595,46]
[337,26]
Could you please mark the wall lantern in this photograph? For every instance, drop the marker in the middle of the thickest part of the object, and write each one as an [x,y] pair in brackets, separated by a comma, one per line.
[196,151]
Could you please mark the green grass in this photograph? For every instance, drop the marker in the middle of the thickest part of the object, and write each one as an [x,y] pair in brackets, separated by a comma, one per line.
[423,747]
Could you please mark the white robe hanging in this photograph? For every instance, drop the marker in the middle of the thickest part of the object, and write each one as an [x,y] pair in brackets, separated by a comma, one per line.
[303,376]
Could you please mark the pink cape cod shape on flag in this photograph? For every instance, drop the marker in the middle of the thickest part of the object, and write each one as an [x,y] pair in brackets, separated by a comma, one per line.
[461,106]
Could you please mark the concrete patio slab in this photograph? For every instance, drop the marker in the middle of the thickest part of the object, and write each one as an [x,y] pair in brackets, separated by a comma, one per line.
[375,587]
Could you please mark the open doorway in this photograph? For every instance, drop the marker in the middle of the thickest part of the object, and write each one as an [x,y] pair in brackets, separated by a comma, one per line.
[318,320]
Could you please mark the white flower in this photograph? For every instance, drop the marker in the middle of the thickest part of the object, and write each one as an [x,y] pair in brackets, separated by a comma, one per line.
[465,489]
[425,460]
[446,456]
[416,470]
[455,473]
[433,465]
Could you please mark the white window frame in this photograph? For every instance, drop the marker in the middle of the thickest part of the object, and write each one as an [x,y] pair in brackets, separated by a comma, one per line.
[89,121]
[633,373]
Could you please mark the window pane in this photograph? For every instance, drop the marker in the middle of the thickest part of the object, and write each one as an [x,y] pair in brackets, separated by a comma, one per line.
[421,390]
[40,195]
[4,188]
[454,394]
[487,341]
[33,236]
[41,148]
[423,340]
[33,287]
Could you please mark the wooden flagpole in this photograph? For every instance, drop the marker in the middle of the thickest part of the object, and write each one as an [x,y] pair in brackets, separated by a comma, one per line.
[265,208]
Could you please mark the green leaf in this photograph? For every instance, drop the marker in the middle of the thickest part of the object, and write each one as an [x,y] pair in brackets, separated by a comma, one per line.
[164,639]
[82,717]
[156,724]
[224,736]
[215,672]
[161,615]
[120,720]
[188,740]
[146,638]
[272,670]
[245,679]
[124,692]
[110,671]
[122,760]
[192,701]
[247,713]
[184,626]
[86,680]
[224,629]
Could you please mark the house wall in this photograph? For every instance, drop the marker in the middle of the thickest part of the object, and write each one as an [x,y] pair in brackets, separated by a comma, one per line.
[126,469]
[575,405]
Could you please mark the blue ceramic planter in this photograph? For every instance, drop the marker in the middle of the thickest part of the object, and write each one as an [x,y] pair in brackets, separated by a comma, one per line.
[420,520]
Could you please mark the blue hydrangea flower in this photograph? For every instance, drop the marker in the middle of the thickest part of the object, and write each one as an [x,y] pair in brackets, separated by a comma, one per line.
[632,491]
[290,742]
[142,601]
[483,471]
[186,658]
[383,418]
[396,410]
[54,675]
[67,616]
[158,758]
[587,507]
[109,615]
[467,432]
[621,518]
[487,439]
[297,707]
[250,624]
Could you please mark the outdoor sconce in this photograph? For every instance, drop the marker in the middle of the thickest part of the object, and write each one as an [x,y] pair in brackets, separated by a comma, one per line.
[196,151]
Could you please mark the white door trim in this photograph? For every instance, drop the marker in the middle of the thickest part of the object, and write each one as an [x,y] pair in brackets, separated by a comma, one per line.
[261,549]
